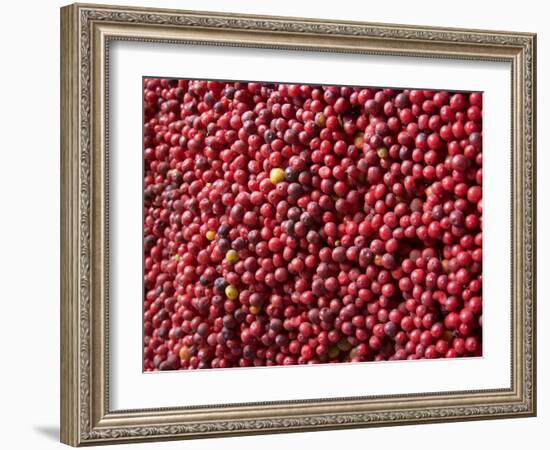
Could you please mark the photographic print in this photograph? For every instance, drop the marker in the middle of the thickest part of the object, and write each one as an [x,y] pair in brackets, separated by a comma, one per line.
[290,224]
[276,224]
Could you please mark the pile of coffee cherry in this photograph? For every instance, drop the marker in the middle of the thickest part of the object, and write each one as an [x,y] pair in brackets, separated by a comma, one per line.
[302,224]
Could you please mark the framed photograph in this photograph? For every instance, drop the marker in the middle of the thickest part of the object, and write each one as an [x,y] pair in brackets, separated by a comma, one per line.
[276,224]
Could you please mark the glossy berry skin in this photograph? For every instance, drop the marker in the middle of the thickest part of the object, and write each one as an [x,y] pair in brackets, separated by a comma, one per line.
[294,224]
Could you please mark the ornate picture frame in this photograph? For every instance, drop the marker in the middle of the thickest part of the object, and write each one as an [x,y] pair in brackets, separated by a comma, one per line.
[86,31]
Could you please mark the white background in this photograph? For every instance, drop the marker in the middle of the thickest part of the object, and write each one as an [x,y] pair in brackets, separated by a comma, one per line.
[30,224]
[132,389]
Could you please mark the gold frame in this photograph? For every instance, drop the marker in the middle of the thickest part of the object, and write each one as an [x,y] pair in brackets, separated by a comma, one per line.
[86,31]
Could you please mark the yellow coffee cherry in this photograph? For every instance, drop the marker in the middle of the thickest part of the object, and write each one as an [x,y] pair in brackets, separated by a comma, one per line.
[359,140]
[382,152]
[231,292]
[320,120]
[185,353]
[277,175]
[255,309]
[232,256]
[210,235]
